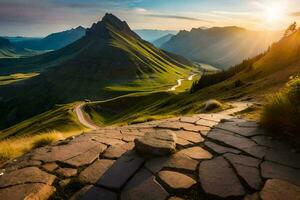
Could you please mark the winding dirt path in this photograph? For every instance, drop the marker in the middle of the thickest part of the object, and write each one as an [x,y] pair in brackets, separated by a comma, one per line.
[82,119]
[179,82]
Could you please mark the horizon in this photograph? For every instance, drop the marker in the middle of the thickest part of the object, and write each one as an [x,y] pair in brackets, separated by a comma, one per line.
[41,18]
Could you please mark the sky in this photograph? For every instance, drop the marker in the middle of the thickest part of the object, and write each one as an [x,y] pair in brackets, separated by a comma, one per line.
[38,18]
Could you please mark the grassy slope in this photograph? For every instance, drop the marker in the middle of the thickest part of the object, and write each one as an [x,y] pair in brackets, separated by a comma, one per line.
[62,119]
[13,78]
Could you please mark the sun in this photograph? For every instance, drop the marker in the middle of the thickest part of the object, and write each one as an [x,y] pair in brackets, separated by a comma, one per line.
[274,13]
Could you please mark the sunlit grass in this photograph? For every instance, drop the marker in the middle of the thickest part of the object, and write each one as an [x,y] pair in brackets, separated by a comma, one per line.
[15,147]
[5,80]
[282,110]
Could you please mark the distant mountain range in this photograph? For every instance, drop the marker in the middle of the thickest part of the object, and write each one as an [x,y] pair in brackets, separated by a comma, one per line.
[8,50]
[222,47]
[162,40]
[110,60]
[151,35]
[53,41]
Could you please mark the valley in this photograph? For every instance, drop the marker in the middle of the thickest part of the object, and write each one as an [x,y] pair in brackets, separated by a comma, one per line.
[111,112]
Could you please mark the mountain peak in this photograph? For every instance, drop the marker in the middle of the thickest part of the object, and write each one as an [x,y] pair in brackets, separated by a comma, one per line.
[100,29]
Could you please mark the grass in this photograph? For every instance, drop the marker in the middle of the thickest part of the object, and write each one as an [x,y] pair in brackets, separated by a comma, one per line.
[13,78]
[281,113]
[15,147]
[61,119]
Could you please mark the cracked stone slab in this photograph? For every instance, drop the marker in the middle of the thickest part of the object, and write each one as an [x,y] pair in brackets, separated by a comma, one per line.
[189,136]
[277,171]
[197,153]
[220,149]
[143,186]
[231,139]
[50,167]
[205,122]
[183,142]
[242,160]
[114,152]
[71,153]
[154,165]
[159,143]
[241,130]
[94,193]
[28,191]
[217,178]
[275,189]
[284,157]
[191,119]
[66,172]
[26,175]
[120,172]
[93,173]
[181,162]
[176,181]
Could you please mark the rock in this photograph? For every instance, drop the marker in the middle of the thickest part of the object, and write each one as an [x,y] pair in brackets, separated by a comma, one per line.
[93,173]
[246,168]
[212,117]
[176,181]
[244,131]
[196,128]
[175,198]
[275,189]
[159,143]
[26,175]
[108,141]
[143,186]
[28,191]
[81,151]
[50,166]
[66,172]
[276,171]
[197,153]
[284,157]
[182,162]
[64,183]
[113,133]
[183,142]
[242,160]
[217,178]
[191,120]
[190,136]
[94,193]
[220,149]
[231,139]
[211,105]
[256,151]
[21,162]
[154,165]
[120,172]
[204,122]
[114,152]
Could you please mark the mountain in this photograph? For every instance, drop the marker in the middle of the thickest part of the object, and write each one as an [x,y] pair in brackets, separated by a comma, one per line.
[110,60]
[8,50]
[20,38]
[53,41]
[151,35]
[222,47]
[160,41]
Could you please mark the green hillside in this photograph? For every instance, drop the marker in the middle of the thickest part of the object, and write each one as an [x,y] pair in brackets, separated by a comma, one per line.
[8,50]
[111,60]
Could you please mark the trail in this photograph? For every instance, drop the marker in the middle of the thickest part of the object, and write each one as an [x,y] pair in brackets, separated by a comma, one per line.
[179,82]
[82,119]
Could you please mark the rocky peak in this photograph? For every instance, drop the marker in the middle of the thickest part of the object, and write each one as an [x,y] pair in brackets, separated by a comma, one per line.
[100,29]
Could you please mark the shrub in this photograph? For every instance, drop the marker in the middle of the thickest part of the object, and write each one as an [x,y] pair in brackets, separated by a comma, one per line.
[211,105]
[282,110]
[46,139]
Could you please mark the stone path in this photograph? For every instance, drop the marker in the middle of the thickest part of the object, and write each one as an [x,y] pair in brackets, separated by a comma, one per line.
[215,157]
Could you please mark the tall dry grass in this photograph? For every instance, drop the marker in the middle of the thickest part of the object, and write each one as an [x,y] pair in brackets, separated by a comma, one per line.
[282,111]
[17,146]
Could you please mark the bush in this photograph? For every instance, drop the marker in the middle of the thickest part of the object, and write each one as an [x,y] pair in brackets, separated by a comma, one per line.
[46,139]
[211,105]
[282,111]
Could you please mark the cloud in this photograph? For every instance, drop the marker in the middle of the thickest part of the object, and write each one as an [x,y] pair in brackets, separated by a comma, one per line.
[178,17]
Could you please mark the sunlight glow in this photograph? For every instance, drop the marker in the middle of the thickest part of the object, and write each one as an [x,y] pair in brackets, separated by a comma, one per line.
[275,13]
